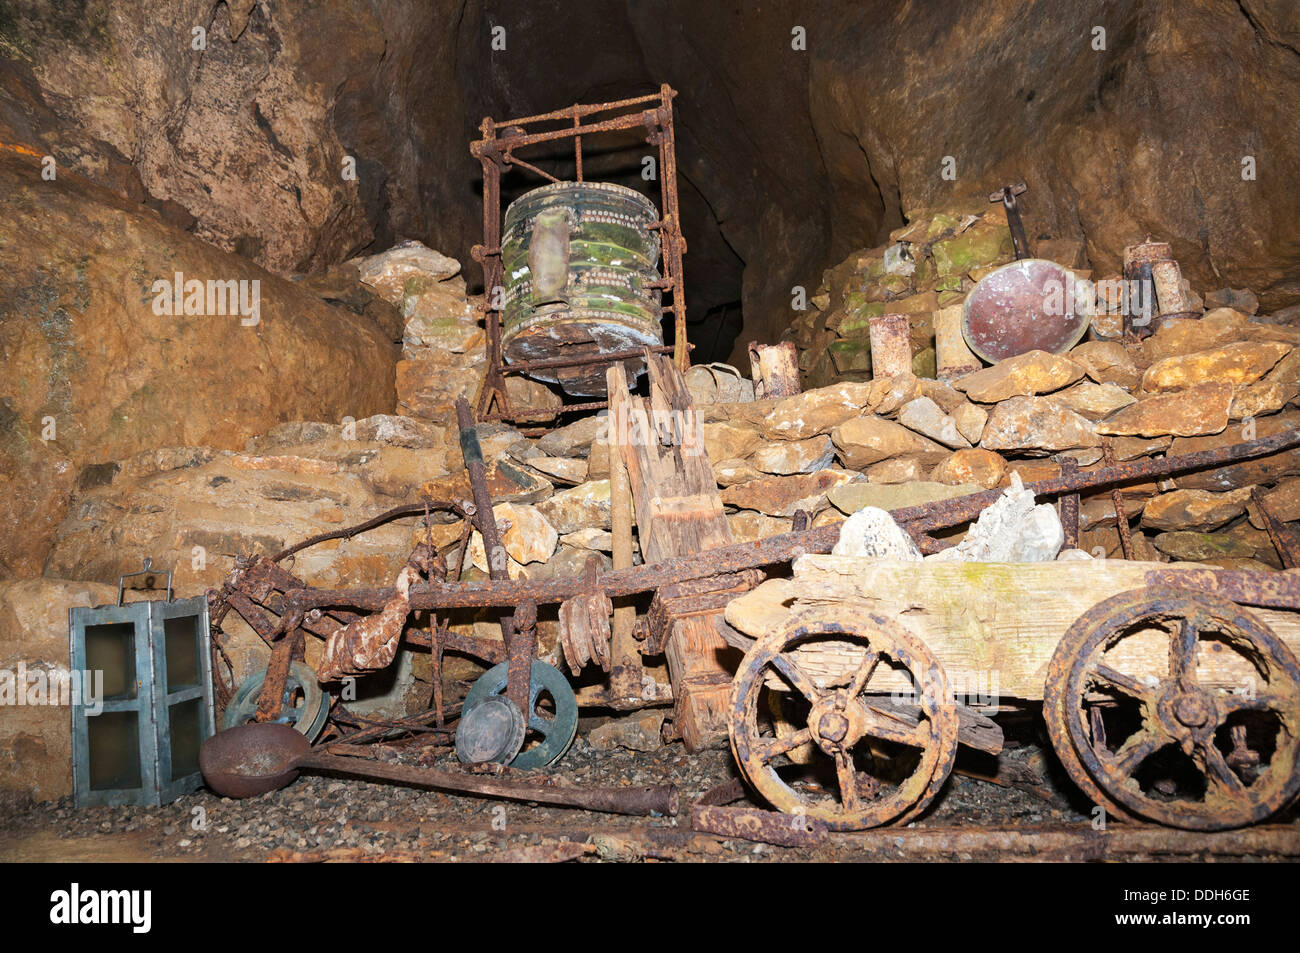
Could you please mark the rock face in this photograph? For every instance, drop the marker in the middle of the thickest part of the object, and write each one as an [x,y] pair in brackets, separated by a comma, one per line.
[95,373]
[35,743]
[295,136]
[254,145]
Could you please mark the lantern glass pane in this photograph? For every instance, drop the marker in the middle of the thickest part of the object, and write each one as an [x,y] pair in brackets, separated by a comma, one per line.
[113,739]
[110,648]
[186,731]
[181,637]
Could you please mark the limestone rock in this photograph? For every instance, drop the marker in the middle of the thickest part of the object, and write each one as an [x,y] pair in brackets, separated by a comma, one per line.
[784,495]
[405,432]
[1025,375]
[731,472]
[439,315]
[855,496]
[927,418]
[1194,411]
[1263,470]
[1194,509]
[99,366]
[748,525]
[429,382]
[1131,448]
[574,439]
[585,505]
[1036,424]
[1012,530]
[872,533]
[728,442]
[1183,336]
[973,466]
[399,472]
[598,540]
[35,743]
[816,411]
[971,420]
[1201,547]
[528,537]
[563,469]
[1283,501]
[799,456]
[863,441]
[1107,362]
[639,731]
[718,384]
[598,460]
[1238,364]
[895,470]
[389,271]
[1094,401]
[526,394]
[890,393]
[948,398]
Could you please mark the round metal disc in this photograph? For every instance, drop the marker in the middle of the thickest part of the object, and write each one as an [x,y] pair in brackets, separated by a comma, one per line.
[556,732]
[1028,305]
[490,731]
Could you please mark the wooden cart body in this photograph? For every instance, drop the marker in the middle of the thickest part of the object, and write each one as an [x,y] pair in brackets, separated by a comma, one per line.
[989,624]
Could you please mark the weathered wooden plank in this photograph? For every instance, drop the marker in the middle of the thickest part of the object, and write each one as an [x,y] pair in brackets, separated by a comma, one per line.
[993,626]
[678,513]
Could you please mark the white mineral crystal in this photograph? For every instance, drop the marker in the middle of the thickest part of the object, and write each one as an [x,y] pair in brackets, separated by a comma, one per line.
[871,531]
[1012,530]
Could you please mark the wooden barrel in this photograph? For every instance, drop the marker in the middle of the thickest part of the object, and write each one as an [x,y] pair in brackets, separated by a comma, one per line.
[580,261]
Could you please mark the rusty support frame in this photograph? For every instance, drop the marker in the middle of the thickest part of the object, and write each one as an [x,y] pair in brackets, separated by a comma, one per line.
[496,152]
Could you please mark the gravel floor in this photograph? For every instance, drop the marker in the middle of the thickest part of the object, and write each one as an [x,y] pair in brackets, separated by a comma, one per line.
[335,818]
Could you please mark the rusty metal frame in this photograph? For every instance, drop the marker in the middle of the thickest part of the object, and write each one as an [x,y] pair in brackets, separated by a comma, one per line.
[496,152]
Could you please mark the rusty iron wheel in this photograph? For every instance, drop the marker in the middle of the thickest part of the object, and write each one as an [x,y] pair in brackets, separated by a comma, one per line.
[1169,764]
[1058,672]
[845,721]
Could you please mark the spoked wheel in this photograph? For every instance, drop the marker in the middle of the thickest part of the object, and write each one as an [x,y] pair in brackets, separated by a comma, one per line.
[1180,707]
[876,713]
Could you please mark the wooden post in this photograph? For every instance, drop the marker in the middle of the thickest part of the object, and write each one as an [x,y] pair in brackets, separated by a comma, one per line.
[625,675]
[678,513]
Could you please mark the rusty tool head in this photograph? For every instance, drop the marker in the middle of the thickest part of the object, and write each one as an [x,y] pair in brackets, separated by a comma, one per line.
[252,759]
[1024,306]
[1007,196]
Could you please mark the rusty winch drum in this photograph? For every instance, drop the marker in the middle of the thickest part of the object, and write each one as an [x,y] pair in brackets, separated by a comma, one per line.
[580,261]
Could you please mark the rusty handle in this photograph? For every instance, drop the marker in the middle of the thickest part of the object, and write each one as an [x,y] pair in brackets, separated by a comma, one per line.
[661,799]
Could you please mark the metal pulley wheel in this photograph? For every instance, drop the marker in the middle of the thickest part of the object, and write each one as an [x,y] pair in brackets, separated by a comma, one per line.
[493,730]
[1179,707]
[305,705]
[888,756]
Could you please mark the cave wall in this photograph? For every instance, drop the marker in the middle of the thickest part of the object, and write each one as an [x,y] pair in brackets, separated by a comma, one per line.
[789,158]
